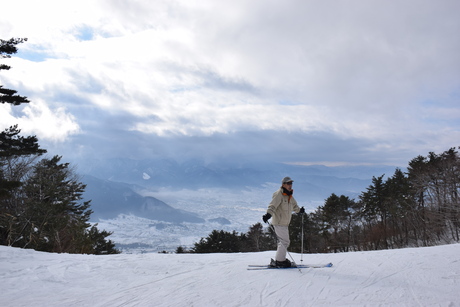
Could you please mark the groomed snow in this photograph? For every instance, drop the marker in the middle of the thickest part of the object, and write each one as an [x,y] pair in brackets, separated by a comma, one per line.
[407,277]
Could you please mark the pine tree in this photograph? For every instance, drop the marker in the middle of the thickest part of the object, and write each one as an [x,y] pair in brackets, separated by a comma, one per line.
[336,214]
[7,48]
[375,212]
[11,144]
[54,217]
[255,237]
[17,154]
[219,242]
[180,250]
[99,245]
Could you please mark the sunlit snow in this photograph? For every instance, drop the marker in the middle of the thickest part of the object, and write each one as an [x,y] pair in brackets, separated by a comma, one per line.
[428,276]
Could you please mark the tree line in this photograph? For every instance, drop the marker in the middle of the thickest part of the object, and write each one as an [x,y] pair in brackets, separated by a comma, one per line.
[419,207]
[41,203]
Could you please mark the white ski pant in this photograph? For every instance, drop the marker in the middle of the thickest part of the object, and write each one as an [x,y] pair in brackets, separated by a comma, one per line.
[282,232]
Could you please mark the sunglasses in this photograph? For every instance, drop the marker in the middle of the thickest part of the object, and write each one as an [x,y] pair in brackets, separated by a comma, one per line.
[288,183]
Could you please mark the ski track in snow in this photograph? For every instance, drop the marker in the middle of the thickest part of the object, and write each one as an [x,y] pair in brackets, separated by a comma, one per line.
[406,277]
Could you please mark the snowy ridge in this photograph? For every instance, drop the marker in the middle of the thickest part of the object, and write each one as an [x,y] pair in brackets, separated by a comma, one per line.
[427,276]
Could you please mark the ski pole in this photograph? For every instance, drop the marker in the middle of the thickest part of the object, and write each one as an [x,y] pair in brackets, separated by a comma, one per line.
[301,249]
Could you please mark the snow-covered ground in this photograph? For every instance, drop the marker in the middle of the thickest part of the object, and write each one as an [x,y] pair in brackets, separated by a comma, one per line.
[133,234]
[408,277]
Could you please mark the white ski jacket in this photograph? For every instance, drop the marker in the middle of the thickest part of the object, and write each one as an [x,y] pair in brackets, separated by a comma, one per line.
[281,208]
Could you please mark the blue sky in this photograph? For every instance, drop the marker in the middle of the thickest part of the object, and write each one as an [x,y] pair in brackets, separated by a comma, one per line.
[330,82]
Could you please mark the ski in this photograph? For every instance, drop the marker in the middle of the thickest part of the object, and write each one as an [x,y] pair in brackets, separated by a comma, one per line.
[267,267]
[300,266]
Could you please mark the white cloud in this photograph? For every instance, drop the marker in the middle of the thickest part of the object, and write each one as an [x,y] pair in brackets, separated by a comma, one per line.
[47,124]
[357,70]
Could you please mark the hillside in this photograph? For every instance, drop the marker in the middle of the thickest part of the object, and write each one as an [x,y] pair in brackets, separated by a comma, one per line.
[110,199]
[407,277]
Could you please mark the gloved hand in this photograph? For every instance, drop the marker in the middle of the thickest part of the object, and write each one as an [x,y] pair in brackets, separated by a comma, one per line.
[302,210]
[266,217]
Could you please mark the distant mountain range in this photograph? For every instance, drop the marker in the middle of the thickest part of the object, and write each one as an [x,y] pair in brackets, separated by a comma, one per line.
[109,199]
[111,184]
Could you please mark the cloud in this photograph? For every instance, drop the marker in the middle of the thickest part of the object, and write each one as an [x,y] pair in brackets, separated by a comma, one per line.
[377,76]
[53,125]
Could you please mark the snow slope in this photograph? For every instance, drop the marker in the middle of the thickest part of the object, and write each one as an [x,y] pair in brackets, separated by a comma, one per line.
[407,277]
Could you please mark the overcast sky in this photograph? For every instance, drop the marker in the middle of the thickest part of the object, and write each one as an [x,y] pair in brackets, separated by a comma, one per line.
[336,82]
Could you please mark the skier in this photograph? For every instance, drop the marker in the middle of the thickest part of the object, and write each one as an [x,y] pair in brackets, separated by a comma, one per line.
[281,208]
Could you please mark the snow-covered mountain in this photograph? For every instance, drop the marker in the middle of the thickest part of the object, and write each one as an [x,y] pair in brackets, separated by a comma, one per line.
[110,199]
[428,276]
